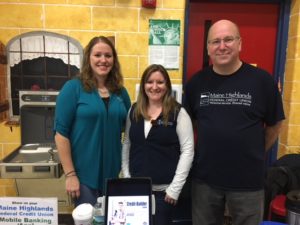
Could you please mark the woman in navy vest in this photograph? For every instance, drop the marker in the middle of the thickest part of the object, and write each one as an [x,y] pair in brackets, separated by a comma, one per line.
[158,141]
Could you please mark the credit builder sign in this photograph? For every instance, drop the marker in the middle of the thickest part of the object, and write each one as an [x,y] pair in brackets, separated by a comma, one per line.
[28,211]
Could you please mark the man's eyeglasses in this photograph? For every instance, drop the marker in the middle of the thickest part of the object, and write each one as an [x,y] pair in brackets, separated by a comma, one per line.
[227,41]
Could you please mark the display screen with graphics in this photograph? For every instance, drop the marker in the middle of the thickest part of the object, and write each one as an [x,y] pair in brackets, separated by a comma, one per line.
[128,201]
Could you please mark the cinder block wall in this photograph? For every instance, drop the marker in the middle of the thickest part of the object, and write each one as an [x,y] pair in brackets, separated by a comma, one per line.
[82,20]
[128,22]
[290,135]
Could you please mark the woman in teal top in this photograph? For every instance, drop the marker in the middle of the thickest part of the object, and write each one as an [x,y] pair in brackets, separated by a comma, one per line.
[90,115]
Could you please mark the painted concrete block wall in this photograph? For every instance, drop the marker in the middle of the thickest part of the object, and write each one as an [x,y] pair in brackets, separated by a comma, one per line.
[128,22]
[82,20]
[290,135]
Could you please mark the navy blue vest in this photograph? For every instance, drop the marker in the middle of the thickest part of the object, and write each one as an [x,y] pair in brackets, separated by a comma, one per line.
[157,155]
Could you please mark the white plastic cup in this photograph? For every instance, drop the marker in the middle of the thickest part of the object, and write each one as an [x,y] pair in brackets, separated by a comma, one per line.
[83,214]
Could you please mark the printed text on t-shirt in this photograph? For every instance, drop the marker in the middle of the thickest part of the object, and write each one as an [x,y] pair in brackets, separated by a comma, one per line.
[231,98]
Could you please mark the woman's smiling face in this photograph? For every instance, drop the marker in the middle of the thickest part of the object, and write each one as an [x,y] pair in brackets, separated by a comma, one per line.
[101,60]
[155,87]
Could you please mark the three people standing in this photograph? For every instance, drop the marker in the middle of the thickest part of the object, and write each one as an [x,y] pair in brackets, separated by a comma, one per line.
[236,109]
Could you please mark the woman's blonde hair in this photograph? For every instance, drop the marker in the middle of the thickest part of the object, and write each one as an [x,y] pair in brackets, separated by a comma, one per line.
[114,81]
[169,104]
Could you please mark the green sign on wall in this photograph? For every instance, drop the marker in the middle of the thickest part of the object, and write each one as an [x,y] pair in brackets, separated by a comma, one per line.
[164,32]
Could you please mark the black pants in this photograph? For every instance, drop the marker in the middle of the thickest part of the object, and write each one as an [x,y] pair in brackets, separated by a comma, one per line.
[163,210]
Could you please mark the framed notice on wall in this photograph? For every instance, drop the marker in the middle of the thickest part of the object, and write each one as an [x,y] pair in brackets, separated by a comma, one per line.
[164,43]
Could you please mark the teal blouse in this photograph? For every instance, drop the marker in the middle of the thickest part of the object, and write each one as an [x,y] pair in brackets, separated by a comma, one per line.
[94,132]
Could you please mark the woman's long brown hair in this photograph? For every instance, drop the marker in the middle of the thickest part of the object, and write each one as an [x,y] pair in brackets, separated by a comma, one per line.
[114,81]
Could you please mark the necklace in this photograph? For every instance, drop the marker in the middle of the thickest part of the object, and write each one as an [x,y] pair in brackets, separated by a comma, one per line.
[103,91]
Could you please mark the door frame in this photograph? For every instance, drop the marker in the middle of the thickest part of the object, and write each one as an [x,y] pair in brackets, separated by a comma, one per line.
[281,45]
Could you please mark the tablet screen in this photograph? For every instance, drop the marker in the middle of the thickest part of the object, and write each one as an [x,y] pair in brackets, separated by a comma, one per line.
[128,202]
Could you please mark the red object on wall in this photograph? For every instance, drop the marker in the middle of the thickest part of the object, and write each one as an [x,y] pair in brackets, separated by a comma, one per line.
[149,3]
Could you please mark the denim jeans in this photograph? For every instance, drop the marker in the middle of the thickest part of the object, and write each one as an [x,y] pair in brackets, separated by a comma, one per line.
[87,195]
[163,210]
[208,205]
